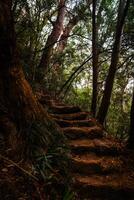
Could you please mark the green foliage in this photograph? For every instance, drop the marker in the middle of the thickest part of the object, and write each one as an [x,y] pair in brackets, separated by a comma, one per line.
[34,25]
[68,195]
[45,147]
[80,96]
[37,138]
[45,144]
[43,134]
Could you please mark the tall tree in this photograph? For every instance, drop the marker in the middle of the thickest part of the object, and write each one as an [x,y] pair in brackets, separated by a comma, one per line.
[95,58]
[53,37]
[15,93]
[66,32]
[122,13]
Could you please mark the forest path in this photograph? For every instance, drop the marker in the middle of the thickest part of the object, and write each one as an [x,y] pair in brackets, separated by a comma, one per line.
[101,167]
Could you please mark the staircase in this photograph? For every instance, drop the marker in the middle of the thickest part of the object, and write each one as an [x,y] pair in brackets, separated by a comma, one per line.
[101,167]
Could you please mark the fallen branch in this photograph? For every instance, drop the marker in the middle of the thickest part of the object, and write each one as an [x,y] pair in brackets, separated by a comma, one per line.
[16,165]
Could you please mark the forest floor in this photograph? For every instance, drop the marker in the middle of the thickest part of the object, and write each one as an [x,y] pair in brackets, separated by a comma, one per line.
[101,167]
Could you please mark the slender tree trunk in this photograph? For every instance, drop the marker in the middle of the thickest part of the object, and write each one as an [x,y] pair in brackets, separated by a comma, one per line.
[123,9]
[53,37]
[95,59]
[60,48]
[131,129]
[66,33]
[63,40]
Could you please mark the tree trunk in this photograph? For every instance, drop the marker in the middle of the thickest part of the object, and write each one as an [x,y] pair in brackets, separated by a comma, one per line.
[15,89]
[114,61]
[16,95]
[53,37]
[59,51]
[66,33]
[95,59]
[131,129]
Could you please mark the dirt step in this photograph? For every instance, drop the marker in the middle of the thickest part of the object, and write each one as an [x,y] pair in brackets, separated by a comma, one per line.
[101,146]
[42,97]
[91,163]
[64,109]
[113,187]
[75,123]
[83,132]
[50,102]
[73,116]
[46,99]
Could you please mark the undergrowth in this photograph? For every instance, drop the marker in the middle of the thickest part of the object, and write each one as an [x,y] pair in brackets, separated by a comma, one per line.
[47,148]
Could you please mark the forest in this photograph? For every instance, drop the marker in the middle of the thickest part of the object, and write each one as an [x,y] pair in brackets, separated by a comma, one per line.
[66,99]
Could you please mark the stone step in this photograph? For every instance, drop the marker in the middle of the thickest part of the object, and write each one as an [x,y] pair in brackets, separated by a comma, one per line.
[55,109]
[91,163]
[112,187]
[83,132]
[73,116]
[100,146]
[75,123]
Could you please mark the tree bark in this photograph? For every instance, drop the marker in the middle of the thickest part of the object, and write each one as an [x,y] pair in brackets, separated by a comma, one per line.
[15,89]
[114,61]
[53,37]
[66,33]
[95,59]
